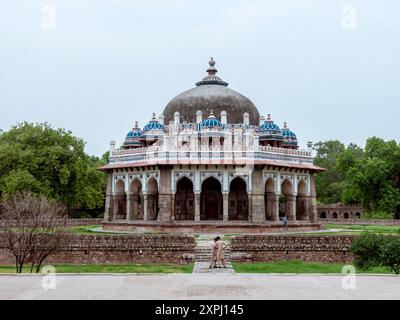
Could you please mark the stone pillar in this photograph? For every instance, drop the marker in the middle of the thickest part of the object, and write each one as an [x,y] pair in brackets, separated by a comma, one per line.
[225,206]
[129,203]
[109,206]
[312,209]
[273,206]
[197,207]
[258,197]
[306,208]
[145,207]
[173,209]
[292,205]
[276,208]
[165,195]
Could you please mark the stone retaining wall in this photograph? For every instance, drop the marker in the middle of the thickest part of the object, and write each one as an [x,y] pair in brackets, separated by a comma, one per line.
[366,222]
[264,248]
[121,249]
[70,222]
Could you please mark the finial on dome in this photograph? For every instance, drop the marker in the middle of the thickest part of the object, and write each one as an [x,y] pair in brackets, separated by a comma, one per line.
[154,115]
[269,117]
[136,124]
[211,70]
[285,125]
[212,62]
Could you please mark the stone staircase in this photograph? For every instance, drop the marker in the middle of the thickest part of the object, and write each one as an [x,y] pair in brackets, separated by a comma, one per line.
[203,252]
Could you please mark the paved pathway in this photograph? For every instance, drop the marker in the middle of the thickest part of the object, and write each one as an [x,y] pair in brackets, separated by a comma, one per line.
[199,286]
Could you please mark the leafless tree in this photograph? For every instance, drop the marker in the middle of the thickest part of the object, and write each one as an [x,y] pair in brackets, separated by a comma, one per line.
[36,228]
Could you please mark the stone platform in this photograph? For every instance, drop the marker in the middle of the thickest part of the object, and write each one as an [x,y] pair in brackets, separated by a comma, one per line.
[216,227]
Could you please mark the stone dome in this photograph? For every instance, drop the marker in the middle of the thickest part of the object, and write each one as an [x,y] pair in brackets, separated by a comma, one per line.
[211,95]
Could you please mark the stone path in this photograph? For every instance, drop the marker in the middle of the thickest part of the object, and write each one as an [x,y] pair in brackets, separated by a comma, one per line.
[203,253]
[200,286]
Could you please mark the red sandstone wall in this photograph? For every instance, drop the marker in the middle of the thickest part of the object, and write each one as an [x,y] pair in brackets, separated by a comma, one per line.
[121,249]
[306,248]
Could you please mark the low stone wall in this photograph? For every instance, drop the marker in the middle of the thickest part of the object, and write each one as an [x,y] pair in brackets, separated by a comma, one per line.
[365,222]
[70,222]
[264,248]
[88,249]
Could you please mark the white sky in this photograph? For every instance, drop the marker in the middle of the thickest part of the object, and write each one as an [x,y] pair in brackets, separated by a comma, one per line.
[108,63]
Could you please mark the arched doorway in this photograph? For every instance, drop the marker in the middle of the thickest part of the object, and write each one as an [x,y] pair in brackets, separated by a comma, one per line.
[152,204]
[120,201]
[285,208]
[270,199]
[184,200]
[335,215]
[301,201]
[323,215]
[346,215]
[137,200]
[238,200]
[211,201]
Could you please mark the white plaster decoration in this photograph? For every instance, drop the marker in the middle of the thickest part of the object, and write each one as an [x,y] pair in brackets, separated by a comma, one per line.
[215,174]
[178,175]
[244,175]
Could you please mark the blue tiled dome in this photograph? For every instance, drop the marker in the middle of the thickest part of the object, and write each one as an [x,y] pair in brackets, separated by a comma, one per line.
[154,124]
[269,127]
[133,137]
[289,137]
[211,122]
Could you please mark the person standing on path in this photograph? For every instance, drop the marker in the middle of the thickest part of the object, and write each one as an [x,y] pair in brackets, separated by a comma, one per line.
[213,263]
[285,222]
[219,247]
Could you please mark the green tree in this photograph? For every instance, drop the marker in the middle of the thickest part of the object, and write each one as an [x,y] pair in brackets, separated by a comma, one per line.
[373,179]
[329,183]
[51,162]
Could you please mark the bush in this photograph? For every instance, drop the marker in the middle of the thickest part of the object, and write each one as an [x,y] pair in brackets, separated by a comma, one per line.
[390,254]
[371,250]
[367,250]
[378,215]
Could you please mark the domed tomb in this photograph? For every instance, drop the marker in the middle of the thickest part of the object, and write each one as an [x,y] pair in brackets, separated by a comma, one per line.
[211,95]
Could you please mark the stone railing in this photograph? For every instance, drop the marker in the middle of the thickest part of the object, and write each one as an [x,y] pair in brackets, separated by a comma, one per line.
[214,152]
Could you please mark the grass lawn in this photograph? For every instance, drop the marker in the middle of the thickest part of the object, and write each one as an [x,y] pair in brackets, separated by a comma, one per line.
[295,266]
[112,268]
[86,229]
[360,228]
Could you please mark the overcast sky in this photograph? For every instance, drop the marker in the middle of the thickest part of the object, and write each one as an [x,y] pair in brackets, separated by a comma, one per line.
[329,68]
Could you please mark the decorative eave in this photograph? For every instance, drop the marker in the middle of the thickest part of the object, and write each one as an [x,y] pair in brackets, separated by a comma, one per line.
[121,165]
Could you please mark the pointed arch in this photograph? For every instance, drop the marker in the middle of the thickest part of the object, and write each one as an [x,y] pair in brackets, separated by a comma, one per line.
[184,199]
[152,195]
[211,200]
[238,200]
[120,200]
[270,199]
[137,200]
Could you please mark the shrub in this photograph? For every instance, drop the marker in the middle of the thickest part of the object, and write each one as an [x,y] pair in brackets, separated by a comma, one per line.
[378,215]
[390,254]
[371,250]
[367,250]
